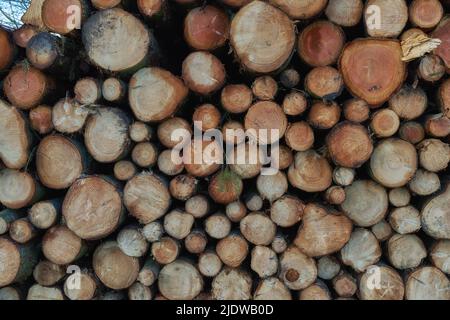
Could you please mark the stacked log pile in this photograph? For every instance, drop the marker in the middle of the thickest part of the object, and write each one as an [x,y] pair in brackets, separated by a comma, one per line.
[354,204]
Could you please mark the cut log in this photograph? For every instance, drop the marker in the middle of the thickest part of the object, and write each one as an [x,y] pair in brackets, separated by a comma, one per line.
[440,255]
[44,214]
[295,103]
[140,132]
[236,211]
[385,18]
[41,119]
[196,242]
[60,161]
[425,183]
[93,208]
[431,68]
[17,261]
[412,132]
[132,242]
[310,172]
[287,211]
[23,35]
[18,189]
[149,272]
[382,230]
[124,170]
[405,220]
[324,115]
[437,125]
[442,33]
[349,145]
[434,155]
[68,116]
[264,261]
[114,90]
[62,246]
[406,251]
[166,250]
[115,269]
[155,94]
[322,232]
[385,123]
[225,187]
[343,176]
[320,43]
[218,226]
[427,283]
[366,203]
[232,250]
[345,285]
[435,215]
[7,49]
[47,273]
[183,187]
[157,11]
[232,284]
[144,154]
[198,206]
[262,37]
[356,110]
[328,267]
[247,165]
[22,231]
[153,231]
[180,280]
[297,270]
[88,91]
[178,224]
[271,289]
[236,98]
[300,9]
[209,264]
[146,197]
[290,78]
[361,251]
[346,13]
[425,14]
[335,195]
[258,229]
[86,289]
[400,197]
[265,88]
[390,286]
[208,116]
[409,103]
[272,187]
[444,98]
[206,28]
[15,140]
[26,87]
[7,217]
[324,83]
[117,41]
[139,292]
[168,132]
[38,292]
[254,202]
[9,294]
[203,73]
[279,243]
[372,69]
[64,16]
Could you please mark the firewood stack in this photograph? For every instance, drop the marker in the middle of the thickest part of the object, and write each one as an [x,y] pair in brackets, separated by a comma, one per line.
[355,96]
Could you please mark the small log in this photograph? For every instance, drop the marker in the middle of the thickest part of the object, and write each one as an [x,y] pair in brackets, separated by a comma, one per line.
[132,242]
[139,292]
[258,229]
[134,45]
[86,289]
[26,87]
[38,292]
[62,246]
[346,13]
[196,242]
[17,261]
[18,189]
[349,145]
[382,230]
[343,176]
[180,280]
[290,78]
[47,273]
[115,269]
[435,215]
[328,267]
[373,69]
[225,187]
[23,35]
[236,211]
[286,157]
[411,131]
[232,250]
[156,11]
[178,224]
[246,166]
[262,37]
[114,90]
[425,183]
[236,98]
[22,231]
[356,110]
[146,197]
[442,33]
[7,217]
[60,161]
[44,214]
[295,103]
[390,285]
[209,264]
[206,28]
[385,123]
[431,68]
[208,115]
[322,232]
[153,231]
[166,250]
[287,211]
[316,291]
[279,243]
[406,251]
[57,16]
[366,203]
[88,91]
[409,103]
[232,284]
[300,9]
[437,125]
[427,283]
[265,88]
[345,285]
[361,251]
[254,202]
[210,161]
[218,226]
[405,220]
[271,289]
[264,261]
[425,14]
[434,155]
[92,208]
[41,119]
[310,172]
[140,132]
[391,18]
[145,154]
[324,115]
[124,170]
[443,97]
[272,187]
[393,163]
[9,294]
[297,270]
[203,73]
[324,83]
[68,116]
[166,164]
[183,187]
[149,272]
[400,197]
[167,129]
[335,195]
[320,43]
[440,255]
[8,49]
[198,206]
